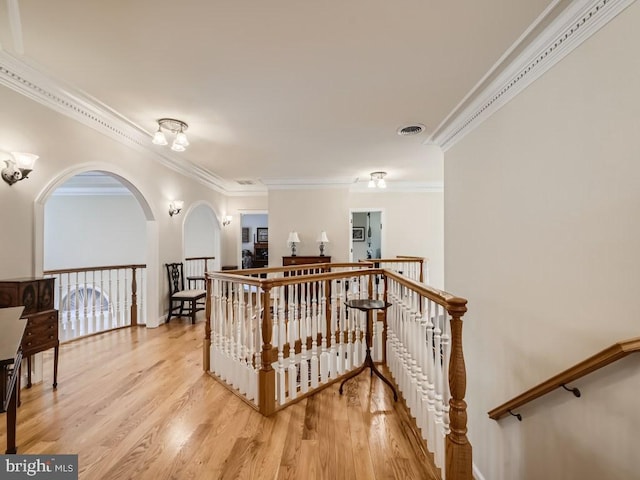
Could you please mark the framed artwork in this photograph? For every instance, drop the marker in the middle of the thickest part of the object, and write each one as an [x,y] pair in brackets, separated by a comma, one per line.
[357,234]
[246,234]
[262,235]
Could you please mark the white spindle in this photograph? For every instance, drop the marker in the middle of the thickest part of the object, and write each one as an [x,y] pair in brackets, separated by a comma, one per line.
[292,335]
[305,331]
[281,342]
[315,321]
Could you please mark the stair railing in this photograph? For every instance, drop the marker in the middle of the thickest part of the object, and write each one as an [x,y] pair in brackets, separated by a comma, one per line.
[275,336]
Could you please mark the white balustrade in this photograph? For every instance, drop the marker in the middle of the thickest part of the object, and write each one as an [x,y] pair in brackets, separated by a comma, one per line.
[97,299]
[316,339]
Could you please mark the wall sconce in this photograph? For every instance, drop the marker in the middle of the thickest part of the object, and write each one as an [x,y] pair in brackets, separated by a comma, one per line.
[292,240]
[322,239]
[377,180]
[19,165]
[226,220]
[177,127]
[175,207]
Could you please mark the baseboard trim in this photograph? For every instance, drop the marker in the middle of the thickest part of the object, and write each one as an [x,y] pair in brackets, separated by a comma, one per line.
[477,475]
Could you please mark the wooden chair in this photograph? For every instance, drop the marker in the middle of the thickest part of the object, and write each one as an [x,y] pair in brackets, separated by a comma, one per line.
[182,301]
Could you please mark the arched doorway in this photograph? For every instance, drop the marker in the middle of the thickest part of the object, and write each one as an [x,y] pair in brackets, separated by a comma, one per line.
[123,229]
[201,239]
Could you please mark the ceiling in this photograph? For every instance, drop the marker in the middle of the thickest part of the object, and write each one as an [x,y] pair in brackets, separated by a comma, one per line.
[282,92]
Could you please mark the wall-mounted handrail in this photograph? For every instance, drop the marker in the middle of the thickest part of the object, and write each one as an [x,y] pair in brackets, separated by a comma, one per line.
[605,357]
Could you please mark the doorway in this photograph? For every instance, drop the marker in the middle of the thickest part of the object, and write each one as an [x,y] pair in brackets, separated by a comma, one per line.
[254,240]
[366,234]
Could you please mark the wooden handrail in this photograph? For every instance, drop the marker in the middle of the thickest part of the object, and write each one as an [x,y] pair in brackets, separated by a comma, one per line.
[93,269]
[457,450]
[200,258]
[605,357]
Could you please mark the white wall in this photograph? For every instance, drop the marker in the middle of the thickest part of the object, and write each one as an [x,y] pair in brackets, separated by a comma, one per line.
[67,147]
[89,230]
[413,223]
[201,234]
[309,212]
[542,231]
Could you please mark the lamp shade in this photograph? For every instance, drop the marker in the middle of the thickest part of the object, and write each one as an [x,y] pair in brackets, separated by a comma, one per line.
[159,138]
[176,147]
[323,237]
[181,139]
[25,160]
[293,237]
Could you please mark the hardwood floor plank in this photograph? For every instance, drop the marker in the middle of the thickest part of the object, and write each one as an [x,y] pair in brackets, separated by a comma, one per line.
[135,403]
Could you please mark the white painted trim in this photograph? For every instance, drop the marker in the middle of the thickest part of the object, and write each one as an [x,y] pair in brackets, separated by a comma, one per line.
[30,81]
[404,187]
[567,31]
[477,475]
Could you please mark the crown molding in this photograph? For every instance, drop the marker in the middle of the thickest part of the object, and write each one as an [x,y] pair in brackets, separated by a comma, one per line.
[558,37]
[30,81]
[403,187]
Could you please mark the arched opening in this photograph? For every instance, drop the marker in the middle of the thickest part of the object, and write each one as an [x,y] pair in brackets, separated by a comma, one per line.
[201,232]
[91,216]
[201,239]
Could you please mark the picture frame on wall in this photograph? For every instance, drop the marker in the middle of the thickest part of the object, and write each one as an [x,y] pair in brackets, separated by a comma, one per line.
[246,234]
[357,234]
[262,235]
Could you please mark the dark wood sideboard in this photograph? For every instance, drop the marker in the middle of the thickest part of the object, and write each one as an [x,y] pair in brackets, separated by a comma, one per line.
[41,332]
[305,260]
[260,255]
[12,328]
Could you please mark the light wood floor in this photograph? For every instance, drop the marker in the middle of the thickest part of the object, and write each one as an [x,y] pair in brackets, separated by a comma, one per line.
[136,403]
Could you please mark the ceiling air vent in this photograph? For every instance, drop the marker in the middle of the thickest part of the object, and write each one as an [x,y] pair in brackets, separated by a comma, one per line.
[411,130]
[246,182]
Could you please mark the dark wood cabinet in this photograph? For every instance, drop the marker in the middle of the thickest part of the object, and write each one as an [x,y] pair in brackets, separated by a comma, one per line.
[41,332]
[260,255]
[305,259]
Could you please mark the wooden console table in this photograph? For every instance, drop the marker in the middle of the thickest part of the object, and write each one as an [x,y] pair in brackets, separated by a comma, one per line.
[304,259]
[12,327]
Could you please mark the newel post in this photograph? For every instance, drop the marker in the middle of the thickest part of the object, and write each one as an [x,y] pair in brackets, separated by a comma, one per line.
[267,375]
[206,344]
[134,299]
[458,448]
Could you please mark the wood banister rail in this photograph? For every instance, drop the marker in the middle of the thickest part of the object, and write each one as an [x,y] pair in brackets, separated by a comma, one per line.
[93,269]
[90,302]
[262,301]
[200,258]
[605,357]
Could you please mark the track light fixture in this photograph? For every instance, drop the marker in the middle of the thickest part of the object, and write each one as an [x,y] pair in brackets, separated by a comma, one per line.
[177,127]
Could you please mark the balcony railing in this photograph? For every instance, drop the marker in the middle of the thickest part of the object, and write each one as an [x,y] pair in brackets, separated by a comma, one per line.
[278,335]
[98,299]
